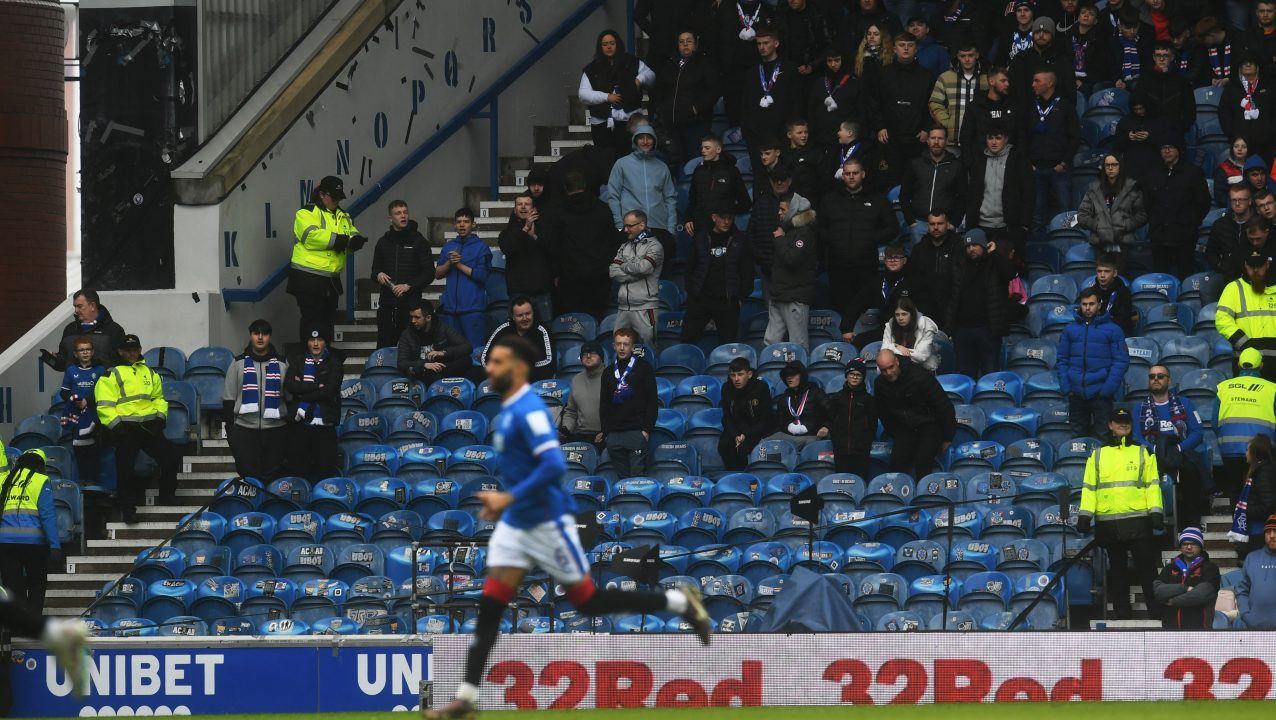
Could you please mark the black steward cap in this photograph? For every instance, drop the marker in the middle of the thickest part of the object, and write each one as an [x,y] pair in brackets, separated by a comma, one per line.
[333,186]
[1121,416]
[130,342]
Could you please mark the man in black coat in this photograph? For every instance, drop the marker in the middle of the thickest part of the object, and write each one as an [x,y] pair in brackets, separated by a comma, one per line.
[995,107]
[976,316]
[429,349]
[1177,200]
[899,107]
[852,223]
[933,264]
[805,28]
[769,95]
[525,323]
[1165,93]
[661,20]
[403,266]
[1246,106]
[1000,195]
[314,400]
[935,179]
[747,415]
[736,51]
[581,226]
[916,413]
[1046,53]
[715,183]
[719,277]
[687,88]
[1052,134]
[91,320]
[529,259]
[627,406]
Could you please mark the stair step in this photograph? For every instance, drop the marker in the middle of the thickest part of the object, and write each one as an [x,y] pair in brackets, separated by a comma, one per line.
[487,206]
[84,595]
[545,159]
[118,564]
[559,148]
[1124,624]
[361,345]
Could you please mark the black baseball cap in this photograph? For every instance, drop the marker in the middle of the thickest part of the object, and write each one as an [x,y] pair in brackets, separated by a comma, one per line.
[130,342]
[1120,416]
[333,186]
[1257,259]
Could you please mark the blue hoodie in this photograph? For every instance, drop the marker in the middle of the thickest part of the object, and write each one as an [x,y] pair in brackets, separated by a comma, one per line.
[932,56]
[1256,591]
[1255,161]
[466,293]
[1092,357]
[641,181]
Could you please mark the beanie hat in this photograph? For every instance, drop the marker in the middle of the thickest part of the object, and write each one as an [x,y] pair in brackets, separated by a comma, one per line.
[858,365]
[1192,534]
[1271,523]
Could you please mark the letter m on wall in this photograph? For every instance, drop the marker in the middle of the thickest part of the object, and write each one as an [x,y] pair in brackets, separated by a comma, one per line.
[307,187]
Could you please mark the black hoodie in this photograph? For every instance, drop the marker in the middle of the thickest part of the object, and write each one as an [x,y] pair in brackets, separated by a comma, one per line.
[747,412]
[717,184]
[405,255]
[814,416]
[852,420]
[582,228]
[324,390]
[528,258]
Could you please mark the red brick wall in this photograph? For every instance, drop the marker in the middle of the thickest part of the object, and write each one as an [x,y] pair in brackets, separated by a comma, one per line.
[33,147]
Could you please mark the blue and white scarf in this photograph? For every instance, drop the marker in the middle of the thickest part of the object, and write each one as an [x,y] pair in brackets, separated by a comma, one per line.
[251,389]
[308,412]
[1240,516]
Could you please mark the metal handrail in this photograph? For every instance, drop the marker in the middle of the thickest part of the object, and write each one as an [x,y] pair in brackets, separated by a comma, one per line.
[483,106]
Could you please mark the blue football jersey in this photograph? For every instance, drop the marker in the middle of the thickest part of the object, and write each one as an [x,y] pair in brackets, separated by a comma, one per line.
[524,433]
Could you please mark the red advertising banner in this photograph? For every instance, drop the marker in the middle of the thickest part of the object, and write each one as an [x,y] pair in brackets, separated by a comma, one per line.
[609,671]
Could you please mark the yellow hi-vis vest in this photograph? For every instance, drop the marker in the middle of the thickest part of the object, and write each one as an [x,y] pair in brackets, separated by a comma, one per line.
[20,520]
[315,230]
[1121,481]
[1246,407]
[130,393]
[1247,318]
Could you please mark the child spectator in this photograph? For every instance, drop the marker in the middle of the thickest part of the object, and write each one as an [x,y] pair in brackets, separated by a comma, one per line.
[79,415]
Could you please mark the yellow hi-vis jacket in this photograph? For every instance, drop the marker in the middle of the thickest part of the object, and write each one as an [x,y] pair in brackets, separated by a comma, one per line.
[1247,318]
[1121,481]
[315,230]
[130,393]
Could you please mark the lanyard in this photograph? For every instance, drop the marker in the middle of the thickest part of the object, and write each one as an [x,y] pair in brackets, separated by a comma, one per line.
[828,86]
[768,84]
[745,21]
[1043,113]
[888,287]
[801,408]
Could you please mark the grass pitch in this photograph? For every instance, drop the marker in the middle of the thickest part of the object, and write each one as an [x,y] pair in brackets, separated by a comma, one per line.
[1010,711]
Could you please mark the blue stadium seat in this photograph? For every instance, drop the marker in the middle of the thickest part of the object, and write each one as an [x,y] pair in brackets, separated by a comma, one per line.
[967,521]
[160,563]
[670,426]
[357,396]
[1185,354]
[686,493]
[699,527]
[747,524]
[722,356]
[416,426]
[960,388]
[1007,522]
[381,364]
[250,528]
[1026,456]
[779,489]
[358,561]
[998,389]
[577,327]
[36,431]
[449,395]
[167,598]
[697,392]
[886,492]
[775,357]
[211,358]
[460,428]
[971,421]
[1031,356]
[953,621]
[634,495]
[1048,612]
[1155,286]
[773,456]
[1009,425]
[985,593]
[822,326]
[879,594]
[1052,289]
[379,496]
[417,463]
[169,362]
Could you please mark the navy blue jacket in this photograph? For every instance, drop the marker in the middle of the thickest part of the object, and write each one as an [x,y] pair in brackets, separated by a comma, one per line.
[1092,358]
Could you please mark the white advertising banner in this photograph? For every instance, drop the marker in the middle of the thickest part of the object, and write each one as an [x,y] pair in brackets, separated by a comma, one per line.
[609,671]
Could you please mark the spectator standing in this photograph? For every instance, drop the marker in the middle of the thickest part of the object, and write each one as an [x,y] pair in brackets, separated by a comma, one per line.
[1131,50]
[1019,37]
[930,54]
[1227,234]
[747,414]
[94,321]
[764,218]
[611,89]
[582,227]
[430,350]
[1245,107]
[932,264]
[1246,314]
[805,27]
[1001,193]
[805,157]
[801,411]
[933,180]
[1092,62]
[636,269]
[580,421]
[1188,585]
[402,266]
[1112,209]
[254,406]
[79,414]
[995,107]
[529,261]
[837,96]
[1137,140]
[1256,591]
[879,296]
[853,223]
[957,90]
[313,385]
[715,183]
[688,88]
[910,334]
[525,323]
[1121,496]
[769,95]
[976,314]
[661,20]
[900,105]
[853,421]
[915,412]
[465,262]
[131,407]
[1045,55]
[1115,299]
[1255,242]
[1168,424]
[1257,497]
[1215,50]
[641,181]
[795,263]
[719,277]
[874,50]
[1246,407]
[1259,36]
[1091,366]
[739,24]
[1052,134]
[325,234]
[1168,94]
[627,406]
[29,542]
[851,145]
[1177,200]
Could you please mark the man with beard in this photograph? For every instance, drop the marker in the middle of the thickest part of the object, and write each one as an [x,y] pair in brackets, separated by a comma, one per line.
[580,420]
[430,350]
[853,223]
[746,414]
[524,323]
[1246,313]
[933,180]
[992,107]
[932,264]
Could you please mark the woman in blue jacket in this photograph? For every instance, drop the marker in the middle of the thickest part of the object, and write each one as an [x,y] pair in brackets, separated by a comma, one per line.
[1091,366]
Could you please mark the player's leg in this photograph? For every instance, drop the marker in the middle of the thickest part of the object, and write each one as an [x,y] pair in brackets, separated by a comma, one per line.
[66,638]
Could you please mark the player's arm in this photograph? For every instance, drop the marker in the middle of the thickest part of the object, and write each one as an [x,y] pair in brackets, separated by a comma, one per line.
[550,464]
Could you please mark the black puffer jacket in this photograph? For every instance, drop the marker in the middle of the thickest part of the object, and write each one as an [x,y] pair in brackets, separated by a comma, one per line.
[581,226]
[737,265]
[913,401]
[796,260]
[988,278]
[928,185]
[747,412]
[324,390]
[415,344]
[932,267]
[902,101]
[853,225]
[980,116]
[687,90]
[106,336]
[1262,495]
[1177,200]
[405,255]
[713,185]
[853,420]
[528,260]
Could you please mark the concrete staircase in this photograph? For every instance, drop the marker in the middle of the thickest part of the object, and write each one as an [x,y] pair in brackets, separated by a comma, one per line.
[1216,544]
[70,592]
